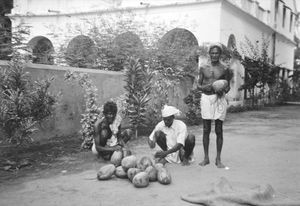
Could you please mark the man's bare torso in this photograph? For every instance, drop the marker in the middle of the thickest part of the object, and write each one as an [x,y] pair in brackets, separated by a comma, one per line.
[209,73]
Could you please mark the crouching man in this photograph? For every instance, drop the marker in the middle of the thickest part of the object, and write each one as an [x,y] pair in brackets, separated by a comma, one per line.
[172,137]
[108,136]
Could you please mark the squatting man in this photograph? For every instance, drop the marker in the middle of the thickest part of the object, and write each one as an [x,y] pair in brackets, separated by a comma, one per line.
[172,137]
[108,136]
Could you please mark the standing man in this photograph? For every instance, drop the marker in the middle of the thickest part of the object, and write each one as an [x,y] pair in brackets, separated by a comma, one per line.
[108,136]
[172,137]
[213,105]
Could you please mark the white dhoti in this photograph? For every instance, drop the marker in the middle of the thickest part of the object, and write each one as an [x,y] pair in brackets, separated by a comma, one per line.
[213,107]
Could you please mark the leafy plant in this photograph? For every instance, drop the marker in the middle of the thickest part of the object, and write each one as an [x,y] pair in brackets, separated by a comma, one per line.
[194,113]
[23,102]
[92,109]
[12,41]
[138,89]
[104,43]
[117,37]
[80,52]
[163,82]
[260,71]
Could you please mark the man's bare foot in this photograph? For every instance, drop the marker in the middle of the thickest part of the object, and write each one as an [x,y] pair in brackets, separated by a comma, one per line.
[204,162]
[185,162]
[219,164]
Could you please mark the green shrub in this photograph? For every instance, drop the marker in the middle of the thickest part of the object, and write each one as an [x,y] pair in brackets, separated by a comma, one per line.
[138,89]
[23,102]
[193,115]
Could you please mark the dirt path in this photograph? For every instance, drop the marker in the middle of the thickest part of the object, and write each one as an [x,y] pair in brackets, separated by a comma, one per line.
[260,147]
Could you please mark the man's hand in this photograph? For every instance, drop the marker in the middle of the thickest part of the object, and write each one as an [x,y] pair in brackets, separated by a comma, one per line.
[160,154]
[220,93]
[117,147]
[227,89]
[121,143]
[206,88]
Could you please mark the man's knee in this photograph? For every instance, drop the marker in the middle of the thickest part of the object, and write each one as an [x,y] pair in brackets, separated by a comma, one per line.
[191,139]
[161,140]
[206,130]
[206,126]
[127,134]
[189,143]
[160,136]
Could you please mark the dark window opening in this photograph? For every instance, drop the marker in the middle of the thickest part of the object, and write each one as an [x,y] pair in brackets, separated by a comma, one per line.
[291,21]
[283,17]
[276,10]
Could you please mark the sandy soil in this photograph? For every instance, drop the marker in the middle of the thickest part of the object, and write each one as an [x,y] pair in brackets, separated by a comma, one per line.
[260,147]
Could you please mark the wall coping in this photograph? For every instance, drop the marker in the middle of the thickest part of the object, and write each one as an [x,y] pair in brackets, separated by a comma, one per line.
[141,7]
[64,68]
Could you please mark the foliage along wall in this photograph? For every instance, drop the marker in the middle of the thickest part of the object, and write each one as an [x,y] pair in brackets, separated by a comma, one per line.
[110,84]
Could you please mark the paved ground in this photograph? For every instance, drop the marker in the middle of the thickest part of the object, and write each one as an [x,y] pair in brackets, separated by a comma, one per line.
[260,147]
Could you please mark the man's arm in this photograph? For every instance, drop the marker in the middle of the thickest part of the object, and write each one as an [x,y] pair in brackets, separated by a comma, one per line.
[163,154]
[176,147]
[151,143]
[152,139]
[228,76]
[97,139]
[200,86]
[120,139]
[106,148]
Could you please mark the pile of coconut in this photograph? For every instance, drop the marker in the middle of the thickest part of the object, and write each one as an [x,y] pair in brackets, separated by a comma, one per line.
[139,171]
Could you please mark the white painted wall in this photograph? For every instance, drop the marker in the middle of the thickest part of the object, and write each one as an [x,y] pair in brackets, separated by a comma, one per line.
[209,21]
[265,4]
[203,20]
[284,53]
[241,24]
[41,7]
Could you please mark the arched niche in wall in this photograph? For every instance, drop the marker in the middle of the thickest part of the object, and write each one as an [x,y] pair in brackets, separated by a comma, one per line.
[81,52]
[124,46]
[178,49]
[5,38]
[42,50]
[232,47]
[231,44]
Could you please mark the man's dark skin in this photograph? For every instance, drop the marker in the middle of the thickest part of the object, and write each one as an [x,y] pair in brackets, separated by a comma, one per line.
[159,138]
[103,133]
[208,74]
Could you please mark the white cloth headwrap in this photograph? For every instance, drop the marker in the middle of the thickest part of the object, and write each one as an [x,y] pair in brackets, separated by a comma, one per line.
[169,111]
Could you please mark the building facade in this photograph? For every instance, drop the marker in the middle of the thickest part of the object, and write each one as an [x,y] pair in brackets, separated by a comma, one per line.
[229,22]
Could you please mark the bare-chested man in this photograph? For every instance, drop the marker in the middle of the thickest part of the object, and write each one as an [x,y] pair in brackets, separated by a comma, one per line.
[213,106]
[108,135]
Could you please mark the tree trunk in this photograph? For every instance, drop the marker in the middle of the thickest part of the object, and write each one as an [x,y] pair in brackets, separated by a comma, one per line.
[136,132]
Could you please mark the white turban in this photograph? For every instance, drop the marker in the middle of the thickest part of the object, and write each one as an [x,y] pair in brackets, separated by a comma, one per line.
[169,111]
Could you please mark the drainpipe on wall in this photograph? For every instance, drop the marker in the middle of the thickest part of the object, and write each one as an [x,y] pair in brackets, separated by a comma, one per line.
[274,46]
